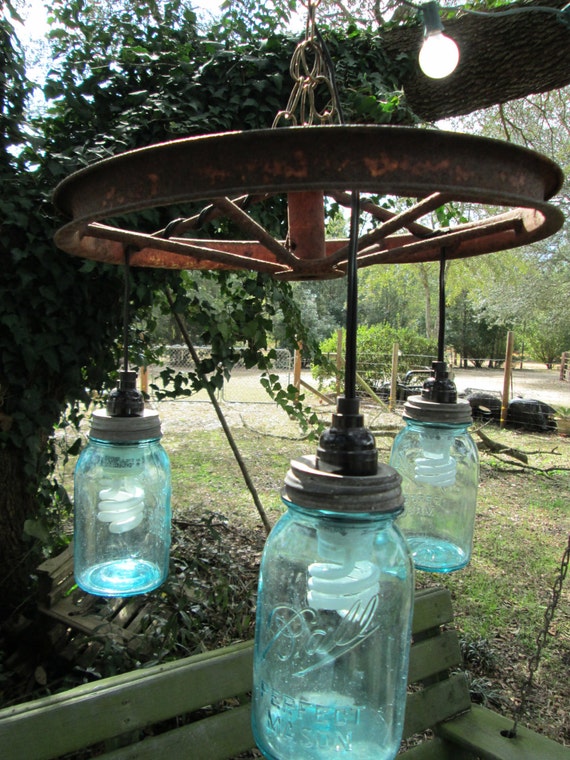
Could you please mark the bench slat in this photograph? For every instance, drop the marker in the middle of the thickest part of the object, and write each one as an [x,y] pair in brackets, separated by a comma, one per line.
[479,730]
[101,710]
[435,703]
[434,655]
[432,608]
[215,738]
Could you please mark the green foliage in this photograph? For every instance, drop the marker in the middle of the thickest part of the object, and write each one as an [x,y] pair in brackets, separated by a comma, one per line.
[292,402]
[374,345]
[547,339]
[379,339]
[473,336]
[234,316]
[391,294]
[369,81]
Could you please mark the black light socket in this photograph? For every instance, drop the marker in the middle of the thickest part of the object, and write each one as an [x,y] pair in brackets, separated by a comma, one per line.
[347,447]
[439,387]
[126,400]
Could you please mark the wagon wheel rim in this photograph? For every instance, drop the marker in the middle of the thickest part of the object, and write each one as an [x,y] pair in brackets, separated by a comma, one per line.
[229,172]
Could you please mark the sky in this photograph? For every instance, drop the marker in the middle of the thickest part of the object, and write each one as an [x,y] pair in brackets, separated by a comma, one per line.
[35,16]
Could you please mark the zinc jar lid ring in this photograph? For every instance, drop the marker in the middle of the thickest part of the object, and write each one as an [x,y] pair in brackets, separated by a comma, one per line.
[125,429]
[308,486]
[421,410]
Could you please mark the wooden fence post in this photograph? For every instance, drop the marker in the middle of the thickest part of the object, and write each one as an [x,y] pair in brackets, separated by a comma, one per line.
[297,367]
[563,363]
[339,360]
[507,377]
[394,377]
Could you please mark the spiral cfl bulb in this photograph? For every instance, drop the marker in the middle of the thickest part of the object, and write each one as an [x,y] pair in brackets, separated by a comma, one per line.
[339,583]
[342,588]
[437,466]
[121,505]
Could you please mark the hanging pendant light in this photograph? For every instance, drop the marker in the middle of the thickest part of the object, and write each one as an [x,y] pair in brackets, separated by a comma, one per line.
[122,499]
[335,597]
[122,491]
[439,464]
[438,461]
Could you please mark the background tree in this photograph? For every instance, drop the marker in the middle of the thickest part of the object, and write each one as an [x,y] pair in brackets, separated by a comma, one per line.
[393,294]
[526,289]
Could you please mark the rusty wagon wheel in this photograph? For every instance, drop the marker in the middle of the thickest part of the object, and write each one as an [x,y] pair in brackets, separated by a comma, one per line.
[232,171]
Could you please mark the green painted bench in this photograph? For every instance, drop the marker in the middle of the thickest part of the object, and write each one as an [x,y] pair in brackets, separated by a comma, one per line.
[197,708]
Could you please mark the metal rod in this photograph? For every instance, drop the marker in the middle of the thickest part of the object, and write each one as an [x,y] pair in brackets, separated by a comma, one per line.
[223,422]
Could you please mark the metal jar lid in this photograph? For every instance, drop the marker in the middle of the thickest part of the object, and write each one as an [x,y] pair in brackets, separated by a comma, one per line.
[125,429]
[421,410]
[307,486]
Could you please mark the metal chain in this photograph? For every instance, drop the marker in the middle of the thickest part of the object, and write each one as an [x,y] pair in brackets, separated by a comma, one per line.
[309,71]
[541,640]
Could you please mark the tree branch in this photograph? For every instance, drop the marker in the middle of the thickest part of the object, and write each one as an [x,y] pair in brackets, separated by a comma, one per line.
[498,448]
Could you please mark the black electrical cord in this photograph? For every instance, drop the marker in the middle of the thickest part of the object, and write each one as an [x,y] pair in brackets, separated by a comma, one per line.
[330,69]
[352,269]
[126,297]
[441,326]
[352,300]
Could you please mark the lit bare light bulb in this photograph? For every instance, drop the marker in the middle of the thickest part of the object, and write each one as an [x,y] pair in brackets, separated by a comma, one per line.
[439,54]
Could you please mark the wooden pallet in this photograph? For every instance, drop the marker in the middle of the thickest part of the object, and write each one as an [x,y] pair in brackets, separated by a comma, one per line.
[122,620]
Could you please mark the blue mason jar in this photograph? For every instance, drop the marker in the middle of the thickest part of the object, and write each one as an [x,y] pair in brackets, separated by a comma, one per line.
[333,622]
[122,507]
[439,464]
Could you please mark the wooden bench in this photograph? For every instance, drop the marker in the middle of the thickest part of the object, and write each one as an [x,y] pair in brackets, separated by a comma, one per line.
[198,708]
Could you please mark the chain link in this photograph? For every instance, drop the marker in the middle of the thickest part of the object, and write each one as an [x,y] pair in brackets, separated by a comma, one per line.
[309,71]
[542,637]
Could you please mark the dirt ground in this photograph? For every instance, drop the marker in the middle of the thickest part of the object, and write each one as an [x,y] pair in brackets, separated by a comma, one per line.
[534,381]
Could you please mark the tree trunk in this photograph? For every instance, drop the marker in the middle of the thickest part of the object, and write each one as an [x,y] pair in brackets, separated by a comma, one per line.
[425,282]
[17,504]
[502,58]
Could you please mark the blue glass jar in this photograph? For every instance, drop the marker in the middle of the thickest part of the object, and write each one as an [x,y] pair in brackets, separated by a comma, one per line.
[333,622]
[439,464]
[122,507]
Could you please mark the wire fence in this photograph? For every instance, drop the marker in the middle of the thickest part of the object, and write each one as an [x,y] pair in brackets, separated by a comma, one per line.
[534,405]
[244,385]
